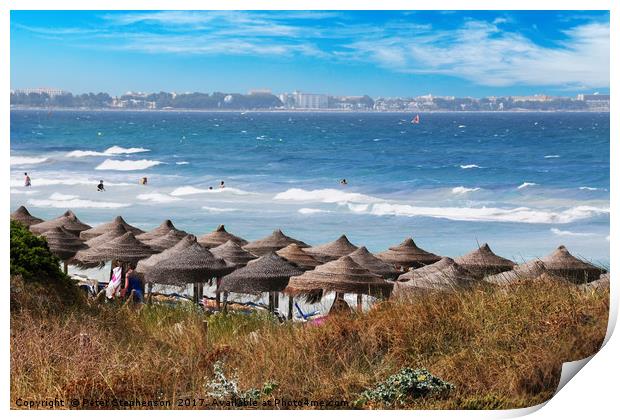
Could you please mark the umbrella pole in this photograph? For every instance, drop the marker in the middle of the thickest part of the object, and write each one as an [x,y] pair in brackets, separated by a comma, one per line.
[270,302]
[225,310]
[276,301]
[359,302]
[149,293]
[218,280]
[66,267]
[290,307]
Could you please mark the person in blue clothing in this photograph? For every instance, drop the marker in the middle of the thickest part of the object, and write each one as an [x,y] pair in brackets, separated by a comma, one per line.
[133,282]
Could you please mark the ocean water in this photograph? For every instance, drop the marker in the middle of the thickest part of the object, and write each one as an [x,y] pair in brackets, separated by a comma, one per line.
[523,182]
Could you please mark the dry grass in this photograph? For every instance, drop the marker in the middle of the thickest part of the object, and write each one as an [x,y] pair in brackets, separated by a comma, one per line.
[501,349]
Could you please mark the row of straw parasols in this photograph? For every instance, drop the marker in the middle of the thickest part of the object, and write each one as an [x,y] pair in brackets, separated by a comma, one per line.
[279,263]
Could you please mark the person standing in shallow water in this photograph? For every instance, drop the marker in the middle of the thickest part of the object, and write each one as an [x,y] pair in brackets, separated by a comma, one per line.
[100,187]
[222,184]
[26,180]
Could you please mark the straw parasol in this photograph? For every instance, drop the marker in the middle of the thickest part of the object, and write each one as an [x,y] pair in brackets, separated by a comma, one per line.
[373,264]
[106,227]
[193,264]
[159,231]
[269,273]
[298,256]
[125,248]
[113,233]
[445,274]
[67,220]
[332,250]
[272,243]
[232,253]
[526,271]
[148,263]
[166,241]
[23,216]
[63,243]
[483,261]
[562,264]
[341,276]
[408,254]
[218,237]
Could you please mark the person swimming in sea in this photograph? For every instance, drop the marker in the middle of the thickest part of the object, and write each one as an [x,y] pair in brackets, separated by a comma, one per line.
[343,181]
[222,184]
[100,187]
[26,180]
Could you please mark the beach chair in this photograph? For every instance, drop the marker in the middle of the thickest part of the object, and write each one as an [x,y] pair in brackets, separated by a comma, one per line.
[304,316]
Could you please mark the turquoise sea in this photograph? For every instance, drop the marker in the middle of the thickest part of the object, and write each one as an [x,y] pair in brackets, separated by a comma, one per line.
[523,182]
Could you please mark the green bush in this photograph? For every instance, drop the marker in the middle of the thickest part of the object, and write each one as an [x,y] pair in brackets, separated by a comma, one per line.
[404,386]
[31,257]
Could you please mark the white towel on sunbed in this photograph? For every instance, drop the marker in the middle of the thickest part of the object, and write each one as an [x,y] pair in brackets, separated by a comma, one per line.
[115,283]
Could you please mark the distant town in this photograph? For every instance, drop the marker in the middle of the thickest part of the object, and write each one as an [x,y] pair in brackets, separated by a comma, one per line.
[264,99]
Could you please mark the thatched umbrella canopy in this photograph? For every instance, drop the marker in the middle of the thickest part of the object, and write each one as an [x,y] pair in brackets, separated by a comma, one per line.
[298,256]
[341,276]
[63,243]
[562,264]
[159,231]
[218,237]
[332,250]
[146,264]
[373,264]
[166,241]
[272,243]
[67,220]
[483,262]
[115,232]
[233,254]
[526,271]
[194,264]
[445,274]
[125,248]
[269,273]
[408,254]
[601,284]
[107,227]
[23,216]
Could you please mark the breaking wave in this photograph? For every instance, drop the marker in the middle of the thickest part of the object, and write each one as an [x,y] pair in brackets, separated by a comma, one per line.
[71,201]
[328,195]
[482,214]
[126,165]
[464,190]
[470,166]
[110,151]
[559,232]
[306,210]
[26,160]
[526,184]
[157,197]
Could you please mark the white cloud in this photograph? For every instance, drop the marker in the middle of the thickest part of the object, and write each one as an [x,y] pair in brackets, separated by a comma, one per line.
[484,54]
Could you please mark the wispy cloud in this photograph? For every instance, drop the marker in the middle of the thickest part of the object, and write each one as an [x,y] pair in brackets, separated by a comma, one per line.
[488,53]
[484,54]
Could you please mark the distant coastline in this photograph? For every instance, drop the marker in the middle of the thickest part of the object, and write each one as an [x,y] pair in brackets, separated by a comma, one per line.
[311,111]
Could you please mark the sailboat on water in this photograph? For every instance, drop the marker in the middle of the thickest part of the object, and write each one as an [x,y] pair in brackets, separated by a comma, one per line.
[416,119]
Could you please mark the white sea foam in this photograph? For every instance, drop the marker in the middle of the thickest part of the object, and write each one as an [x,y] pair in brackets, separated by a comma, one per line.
[26,160]
[182,163]
[59,196]
[559,232]
[75,203]
[228,190]
[464,190]
[43,181]
[181,191]
[24,191]
[470,166]
[126,165]
[590,188]
[306,210]
[482,214]
[462,126]
[526,184]
[157,197]
[328,195]
[219,209]
[110,151]
[552,156]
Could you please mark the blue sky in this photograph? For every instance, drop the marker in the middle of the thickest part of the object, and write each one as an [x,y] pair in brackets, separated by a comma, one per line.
[379,53]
